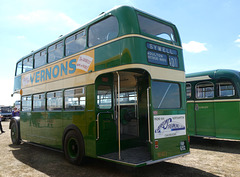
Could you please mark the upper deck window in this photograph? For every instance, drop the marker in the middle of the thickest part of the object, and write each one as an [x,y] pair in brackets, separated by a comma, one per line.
[76,42]
[40,58]
[156,28]
[103,31]
[19,68]
[55,52]
[28,64]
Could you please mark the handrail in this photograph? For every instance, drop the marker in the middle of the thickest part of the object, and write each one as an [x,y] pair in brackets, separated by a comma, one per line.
[148,108]
[97,120]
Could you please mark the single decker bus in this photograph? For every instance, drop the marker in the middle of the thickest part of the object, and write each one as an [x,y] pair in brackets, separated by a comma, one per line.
[113,89]
[213,104]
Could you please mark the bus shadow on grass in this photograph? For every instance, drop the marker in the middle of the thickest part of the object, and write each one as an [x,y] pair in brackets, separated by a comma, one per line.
[53,163]
[213,144]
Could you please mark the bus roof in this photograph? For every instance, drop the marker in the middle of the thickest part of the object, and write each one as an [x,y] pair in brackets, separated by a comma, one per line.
[213,74]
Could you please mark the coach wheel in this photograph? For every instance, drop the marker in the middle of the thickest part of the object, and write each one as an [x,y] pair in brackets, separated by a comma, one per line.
[74,147]
[15,136]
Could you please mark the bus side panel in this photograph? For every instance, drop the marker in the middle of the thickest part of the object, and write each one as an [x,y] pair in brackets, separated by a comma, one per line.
[191,119]
[38,127]
[25,125]
[227,118]
[53,129]
[205,123]
[108,59]
[90,138]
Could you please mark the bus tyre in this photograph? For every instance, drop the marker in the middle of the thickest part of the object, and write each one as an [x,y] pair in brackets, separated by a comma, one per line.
[74,147]
[15,135]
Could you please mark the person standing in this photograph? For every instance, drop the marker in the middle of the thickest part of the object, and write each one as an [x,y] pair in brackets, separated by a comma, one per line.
[1,124]
[15,112]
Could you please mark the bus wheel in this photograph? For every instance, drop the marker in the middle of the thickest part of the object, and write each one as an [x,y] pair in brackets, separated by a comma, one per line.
[15,136]
[74,147]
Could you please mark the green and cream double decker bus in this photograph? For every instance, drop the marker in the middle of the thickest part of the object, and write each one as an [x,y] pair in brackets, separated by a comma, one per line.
[213,104]
[113,89]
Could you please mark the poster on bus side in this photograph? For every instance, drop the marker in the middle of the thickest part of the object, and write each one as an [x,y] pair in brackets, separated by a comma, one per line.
[169,126]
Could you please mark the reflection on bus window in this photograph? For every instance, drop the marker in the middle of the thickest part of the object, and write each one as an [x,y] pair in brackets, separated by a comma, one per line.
[75,99]
[19,68]
[156,28]
[55,52]
[128,97]
[54,101]
[188,89]
[40,58]
[28,64]
[104,97]
[75,43]
[26,103]
[204,90]
[103,31]
[165,95]
[225,89]
[39,102]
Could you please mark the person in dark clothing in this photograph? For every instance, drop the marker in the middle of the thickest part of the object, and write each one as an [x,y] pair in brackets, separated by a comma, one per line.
[1,125]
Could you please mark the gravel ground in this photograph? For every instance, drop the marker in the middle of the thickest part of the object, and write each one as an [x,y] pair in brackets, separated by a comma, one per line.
[209,157]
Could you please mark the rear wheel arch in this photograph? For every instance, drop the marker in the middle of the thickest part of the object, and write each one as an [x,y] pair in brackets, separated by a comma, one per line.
[73,145]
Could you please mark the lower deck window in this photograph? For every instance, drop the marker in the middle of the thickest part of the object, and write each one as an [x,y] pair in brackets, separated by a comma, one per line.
[39,102]
[165,95]
[54,100]
[26,103]
[75,99]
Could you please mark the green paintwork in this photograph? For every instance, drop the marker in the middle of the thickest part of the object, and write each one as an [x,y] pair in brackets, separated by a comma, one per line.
[48,127]
[217,117]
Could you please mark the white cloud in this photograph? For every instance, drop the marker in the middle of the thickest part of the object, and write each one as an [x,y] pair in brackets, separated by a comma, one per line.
[20,37]
[194,47]
[52,20]
[238,41]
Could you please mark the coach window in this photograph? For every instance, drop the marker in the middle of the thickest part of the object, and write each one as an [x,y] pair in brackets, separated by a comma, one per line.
[75,43]
[75,99]
[26,103]
[54,101]
[204,90]
[39,102]
[55,52]
[40,58]
[103,31]
[19,68]
[189,90]
[225,89]
[28,64]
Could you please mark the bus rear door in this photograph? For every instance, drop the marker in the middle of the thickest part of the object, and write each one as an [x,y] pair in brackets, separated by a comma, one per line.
[106,129]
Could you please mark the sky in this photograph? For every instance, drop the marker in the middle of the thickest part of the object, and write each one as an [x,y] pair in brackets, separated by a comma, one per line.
[209,30]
